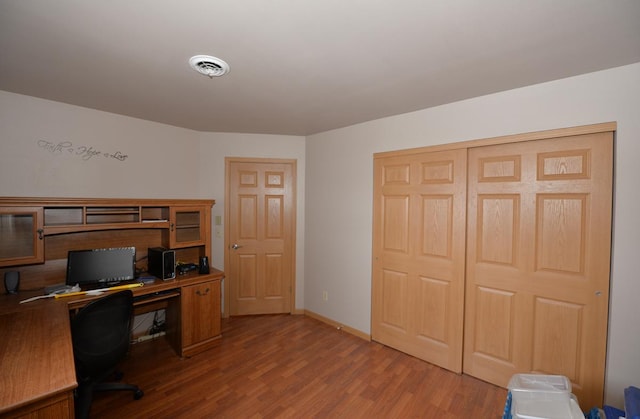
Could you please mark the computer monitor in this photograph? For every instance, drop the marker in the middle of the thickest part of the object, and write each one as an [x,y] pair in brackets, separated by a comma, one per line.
[101,266]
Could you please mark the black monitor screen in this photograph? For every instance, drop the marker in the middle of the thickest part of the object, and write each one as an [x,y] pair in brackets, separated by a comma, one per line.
[101,266]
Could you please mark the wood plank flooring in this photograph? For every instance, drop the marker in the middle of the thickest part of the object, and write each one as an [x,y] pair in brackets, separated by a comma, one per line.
[282,366]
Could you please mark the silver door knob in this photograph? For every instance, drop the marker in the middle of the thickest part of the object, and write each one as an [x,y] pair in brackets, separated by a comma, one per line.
[236,246]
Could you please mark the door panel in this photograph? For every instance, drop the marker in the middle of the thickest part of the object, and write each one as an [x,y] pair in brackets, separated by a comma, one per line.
[261,235]
[419,245]
[21,235]
[538,253]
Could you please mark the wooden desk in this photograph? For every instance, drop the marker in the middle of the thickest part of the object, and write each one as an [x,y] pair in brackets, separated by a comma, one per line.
[37,373]
[36,359]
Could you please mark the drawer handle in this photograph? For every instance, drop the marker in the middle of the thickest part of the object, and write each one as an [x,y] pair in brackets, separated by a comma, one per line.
[202,294]
[40,232]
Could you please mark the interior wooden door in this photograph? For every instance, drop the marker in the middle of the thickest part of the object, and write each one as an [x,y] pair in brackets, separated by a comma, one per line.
[261,236]
[539,237]
[419,255]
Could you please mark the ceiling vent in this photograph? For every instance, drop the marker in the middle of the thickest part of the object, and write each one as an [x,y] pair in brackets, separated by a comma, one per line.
[209,66]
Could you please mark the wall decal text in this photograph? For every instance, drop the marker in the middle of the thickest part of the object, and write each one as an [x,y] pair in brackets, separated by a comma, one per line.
[82,151]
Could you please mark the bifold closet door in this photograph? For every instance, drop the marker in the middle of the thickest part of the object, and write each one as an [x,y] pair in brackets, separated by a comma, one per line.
[538,256]
[419,255]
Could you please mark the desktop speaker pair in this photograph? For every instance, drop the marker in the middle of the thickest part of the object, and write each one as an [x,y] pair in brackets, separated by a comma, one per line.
[12,282]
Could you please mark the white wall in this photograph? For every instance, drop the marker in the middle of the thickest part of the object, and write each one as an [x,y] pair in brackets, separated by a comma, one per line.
[162,161]
[340,184]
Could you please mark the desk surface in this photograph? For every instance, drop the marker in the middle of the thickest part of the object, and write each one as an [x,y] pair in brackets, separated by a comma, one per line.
[36,353]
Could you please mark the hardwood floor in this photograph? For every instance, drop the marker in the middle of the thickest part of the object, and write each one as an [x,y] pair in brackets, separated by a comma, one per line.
[282,366]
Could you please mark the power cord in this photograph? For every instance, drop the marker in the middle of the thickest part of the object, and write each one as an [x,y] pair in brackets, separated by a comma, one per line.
[158,325]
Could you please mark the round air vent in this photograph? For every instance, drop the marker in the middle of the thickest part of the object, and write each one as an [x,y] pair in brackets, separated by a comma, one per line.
[209,66]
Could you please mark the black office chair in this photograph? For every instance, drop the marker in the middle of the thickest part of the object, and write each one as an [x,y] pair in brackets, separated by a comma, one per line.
[101,333]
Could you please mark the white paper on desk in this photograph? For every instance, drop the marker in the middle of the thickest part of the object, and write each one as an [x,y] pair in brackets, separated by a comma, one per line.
[75,288]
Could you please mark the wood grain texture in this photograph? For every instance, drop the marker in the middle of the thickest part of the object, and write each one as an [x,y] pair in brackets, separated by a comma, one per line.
[279,366]
[538,261]
[260,233]
[92,223]
[419,255]
[34,342]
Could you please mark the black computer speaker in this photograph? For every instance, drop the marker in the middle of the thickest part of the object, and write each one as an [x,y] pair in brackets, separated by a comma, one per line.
[204,265]
[11,282]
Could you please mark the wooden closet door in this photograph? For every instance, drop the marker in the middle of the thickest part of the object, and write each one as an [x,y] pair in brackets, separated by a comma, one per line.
[418,252]
[538,254]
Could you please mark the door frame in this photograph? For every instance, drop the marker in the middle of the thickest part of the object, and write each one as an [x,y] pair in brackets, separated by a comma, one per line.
[227,254]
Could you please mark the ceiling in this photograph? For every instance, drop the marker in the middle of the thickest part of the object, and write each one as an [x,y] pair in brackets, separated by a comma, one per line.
[299,66]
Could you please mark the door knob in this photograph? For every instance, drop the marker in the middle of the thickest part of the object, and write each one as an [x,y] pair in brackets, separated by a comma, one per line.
[236,246]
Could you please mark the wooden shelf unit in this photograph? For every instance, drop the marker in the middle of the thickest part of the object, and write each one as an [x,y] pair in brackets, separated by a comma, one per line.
[47,228]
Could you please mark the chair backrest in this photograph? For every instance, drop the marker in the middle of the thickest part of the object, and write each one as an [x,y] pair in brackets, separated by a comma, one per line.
[101,333]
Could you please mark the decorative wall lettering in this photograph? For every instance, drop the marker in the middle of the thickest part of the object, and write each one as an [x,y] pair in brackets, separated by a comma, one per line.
[82,151]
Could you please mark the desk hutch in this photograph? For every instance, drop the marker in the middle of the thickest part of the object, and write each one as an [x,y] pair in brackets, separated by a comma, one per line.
[36,358]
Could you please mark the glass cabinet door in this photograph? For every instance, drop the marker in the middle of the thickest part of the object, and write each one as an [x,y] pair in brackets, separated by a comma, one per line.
[21,236]
[187,226]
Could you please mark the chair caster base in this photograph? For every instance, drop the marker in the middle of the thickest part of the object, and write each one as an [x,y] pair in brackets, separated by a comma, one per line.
[138,395]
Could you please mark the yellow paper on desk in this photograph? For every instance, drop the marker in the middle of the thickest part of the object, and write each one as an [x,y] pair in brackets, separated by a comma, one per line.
[116,288]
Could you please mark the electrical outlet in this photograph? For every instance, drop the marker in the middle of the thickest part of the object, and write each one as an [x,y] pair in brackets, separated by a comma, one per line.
[325,296]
